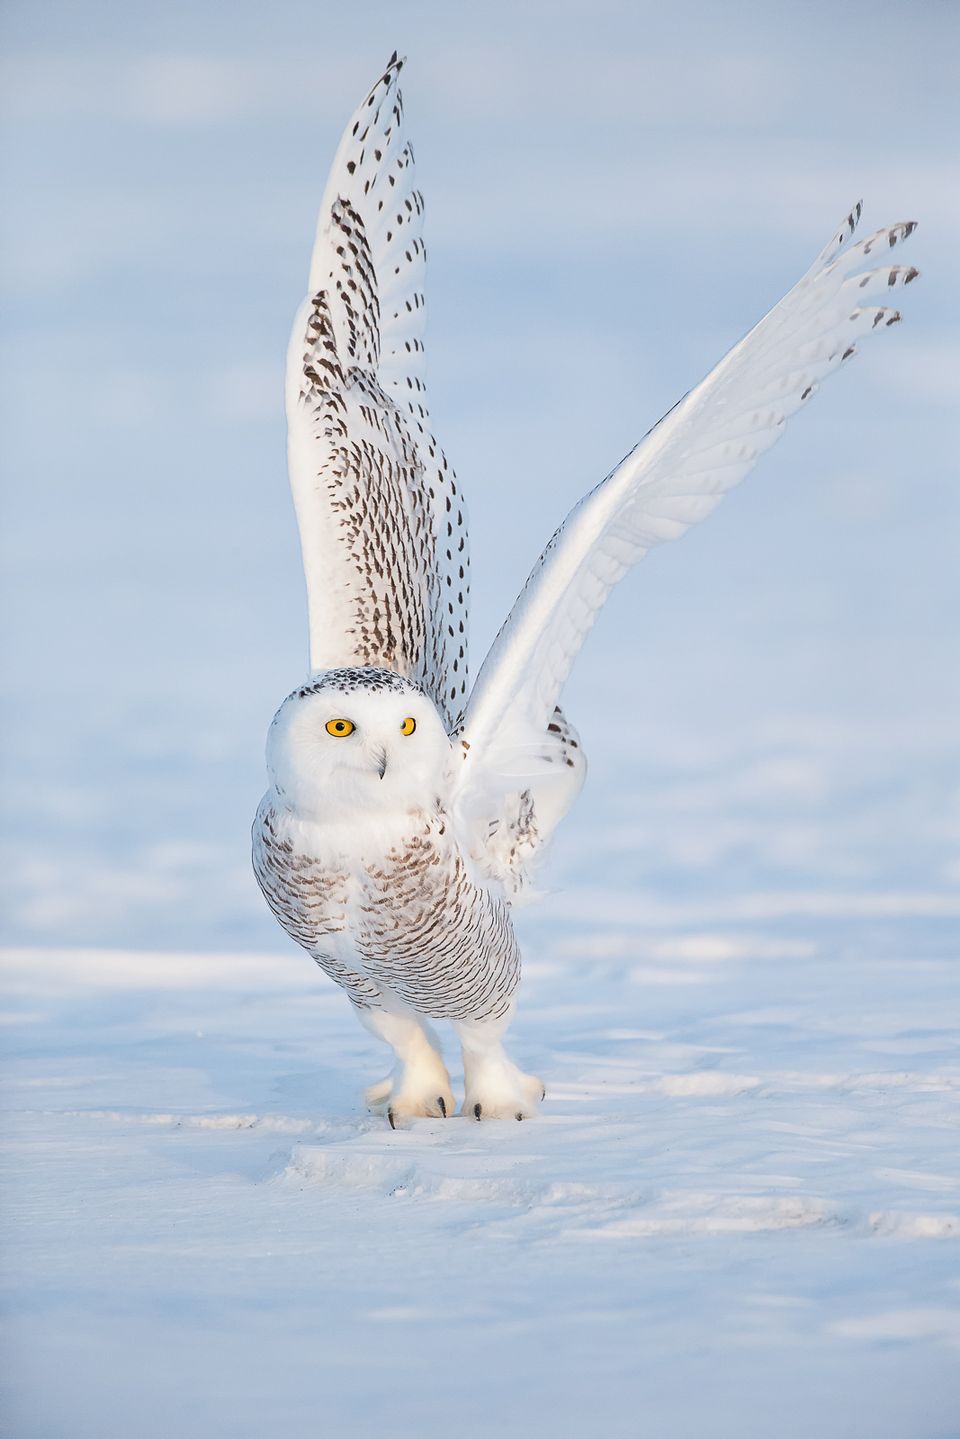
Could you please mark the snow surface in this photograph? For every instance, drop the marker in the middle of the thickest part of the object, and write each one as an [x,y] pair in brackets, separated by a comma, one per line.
[738,1214]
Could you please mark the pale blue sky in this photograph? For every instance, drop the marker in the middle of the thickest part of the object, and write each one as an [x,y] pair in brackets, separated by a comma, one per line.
[614,194]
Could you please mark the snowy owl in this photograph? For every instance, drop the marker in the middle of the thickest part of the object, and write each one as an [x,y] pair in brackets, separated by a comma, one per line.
[407,808]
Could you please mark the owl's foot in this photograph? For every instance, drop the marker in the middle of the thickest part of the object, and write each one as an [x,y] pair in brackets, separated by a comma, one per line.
[420,1091]
[437,1104]
[400,1111]
[431,1101]
[497,1089]
[419,1087]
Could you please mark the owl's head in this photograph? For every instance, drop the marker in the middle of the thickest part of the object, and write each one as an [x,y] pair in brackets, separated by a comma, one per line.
[360,738]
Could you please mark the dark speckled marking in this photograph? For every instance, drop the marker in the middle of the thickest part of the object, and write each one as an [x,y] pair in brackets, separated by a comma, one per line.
[386,491]
[359,677]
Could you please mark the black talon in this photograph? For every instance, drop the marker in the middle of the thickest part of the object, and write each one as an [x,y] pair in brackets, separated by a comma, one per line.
[519,1116]
[476,1111]
[390,1117]
[443,1105]
[543,1092]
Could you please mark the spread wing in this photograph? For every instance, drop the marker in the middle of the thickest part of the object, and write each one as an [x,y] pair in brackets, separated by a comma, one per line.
[382,525]
[675,477]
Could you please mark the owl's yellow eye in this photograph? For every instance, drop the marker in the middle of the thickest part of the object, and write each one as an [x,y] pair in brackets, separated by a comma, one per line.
[340,728]
[408,726]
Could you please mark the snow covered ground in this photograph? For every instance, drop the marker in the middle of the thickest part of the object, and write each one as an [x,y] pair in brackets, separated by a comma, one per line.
[738,1214]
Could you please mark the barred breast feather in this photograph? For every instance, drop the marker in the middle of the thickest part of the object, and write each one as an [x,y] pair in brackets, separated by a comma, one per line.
[410,918]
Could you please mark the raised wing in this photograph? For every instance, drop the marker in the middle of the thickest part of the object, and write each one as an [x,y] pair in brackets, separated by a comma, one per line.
[382,525]
[676,476]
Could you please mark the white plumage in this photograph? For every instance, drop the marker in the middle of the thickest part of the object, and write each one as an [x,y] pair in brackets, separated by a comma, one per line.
[405,810]
[381,521]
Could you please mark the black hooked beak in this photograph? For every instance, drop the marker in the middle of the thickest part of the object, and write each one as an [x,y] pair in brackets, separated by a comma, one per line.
[380,757]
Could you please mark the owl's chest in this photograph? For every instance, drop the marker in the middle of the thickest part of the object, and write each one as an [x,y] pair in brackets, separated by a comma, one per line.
[357,891]
[398,911]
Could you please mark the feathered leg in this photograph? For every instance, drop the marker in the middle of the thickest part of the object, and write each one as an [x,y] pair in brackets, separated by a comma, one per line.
[420,1084]
[495,1087]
